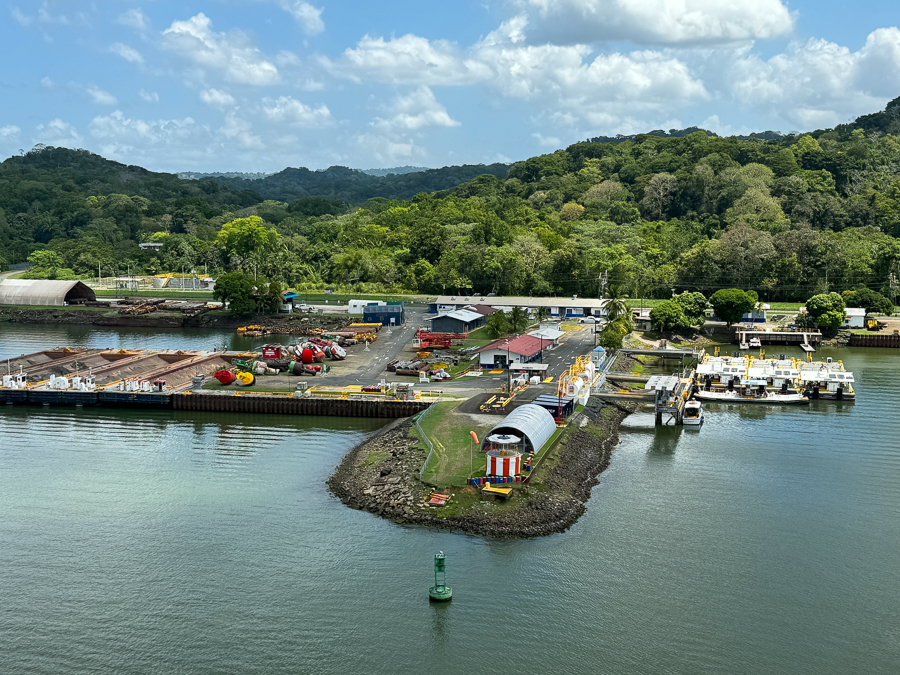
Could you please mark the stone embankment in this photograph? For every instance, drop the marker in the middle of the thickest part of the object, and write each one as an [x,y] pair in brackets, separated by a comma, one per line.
[381,475]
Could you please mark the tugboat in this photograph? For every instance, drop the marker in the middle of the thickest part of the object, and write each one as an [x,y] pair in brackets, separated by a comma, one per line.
[693,414]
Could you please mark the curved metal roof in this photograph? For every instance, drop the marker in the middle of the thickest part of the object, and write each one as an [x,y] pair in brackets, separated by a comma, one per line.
[529,420]
[42,292]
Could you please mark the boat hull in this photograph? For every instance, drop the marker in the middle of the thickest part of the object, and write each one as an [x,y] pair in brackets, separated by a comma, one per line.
[712,397]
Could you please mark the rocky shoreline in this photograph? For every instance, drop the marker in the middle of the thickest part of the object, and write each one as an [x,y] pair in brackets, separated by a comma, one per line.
[381,476]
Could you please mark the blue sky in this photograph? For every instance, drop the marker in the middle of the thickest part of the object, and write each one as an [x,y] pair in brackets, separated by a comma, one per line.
[258,85]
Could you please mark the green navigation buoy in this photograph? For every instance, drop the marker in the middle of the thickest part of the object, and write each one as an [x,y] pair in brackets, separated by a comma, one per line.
[440,592]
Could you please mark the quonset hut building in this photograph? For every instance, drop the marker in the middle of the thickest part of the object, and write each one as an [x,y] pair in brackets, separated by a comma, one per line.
[44,292]
[532,423]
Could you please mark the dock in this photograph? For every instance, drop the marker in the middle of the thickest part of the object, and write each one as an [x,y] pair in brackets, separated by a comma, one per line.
[809,338]
[166,379]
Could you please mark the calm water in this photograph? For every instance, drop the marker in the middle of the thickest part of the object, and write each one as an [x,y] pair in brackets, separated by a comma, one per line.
[166,542]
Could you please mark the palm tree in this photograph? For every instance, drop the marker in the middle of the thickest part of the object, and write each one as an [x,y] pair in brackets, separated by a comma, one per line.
[518,319]
[617,306]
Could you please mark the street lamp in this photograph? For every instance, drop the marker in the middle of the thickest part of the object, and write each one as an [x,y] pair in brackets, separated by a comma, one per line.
[508,372]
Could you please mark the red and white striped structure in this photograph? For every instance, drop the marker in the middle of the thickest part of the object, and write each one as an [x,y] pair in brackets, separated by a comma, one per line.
[503,463]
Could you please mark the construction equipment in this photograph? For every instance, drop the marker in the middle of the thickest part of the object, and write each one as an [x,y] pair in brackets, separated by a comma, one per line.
[427,340]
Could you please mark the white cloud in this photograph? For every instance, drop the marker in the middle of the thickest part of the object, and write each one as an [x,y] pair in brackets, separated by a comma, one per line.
[126,52]
[309,17]
[9,131]
[231,53]
[237,129]
[418,109]
[149,96]
[134,18]
[385,149]
[47,83]
[547,141]
[817,83]
[101,97]
[217,98]
[21,17]
[567,82]
[58,133]
[408,60]
[658,21]
[291,111]
[46,16]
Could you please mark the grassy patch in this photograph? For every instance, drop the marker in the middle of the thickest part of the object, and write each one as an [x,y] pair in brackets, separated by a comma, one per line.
[455,454]
[375,457]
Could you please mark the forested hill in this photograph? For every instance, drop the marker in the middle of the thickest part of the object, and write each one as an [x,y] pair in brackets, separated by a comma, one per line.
[354,186]
[786,217]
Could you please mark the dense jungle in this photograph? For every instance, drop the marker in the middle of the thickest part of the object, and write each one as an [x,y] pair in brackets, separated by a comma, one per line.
[786,215]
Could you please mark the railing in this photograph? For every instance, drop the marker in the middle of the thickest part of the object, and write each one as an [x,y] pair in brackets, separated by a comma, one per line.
[416,419]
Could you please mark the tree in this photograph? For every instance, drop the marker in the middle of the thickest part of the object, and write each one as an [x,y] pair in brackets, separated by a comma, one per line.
[45,264]
[730,304]
[240,239]
[236,289]
[869,300]
[694,307]
[669,315]
[497,325]
[269,297]
[518,320]
[818,305]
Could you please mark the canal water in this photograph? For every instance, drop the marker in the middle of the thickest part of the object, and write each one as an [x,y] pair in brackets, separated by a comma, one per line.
[166,542]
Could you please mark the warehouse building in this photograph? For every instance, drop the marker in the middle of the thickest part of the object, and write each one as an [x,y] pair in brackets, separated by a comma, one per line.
[573,307]
[44,292]
[457,321]
[522,349]
[390,314]
[531,423]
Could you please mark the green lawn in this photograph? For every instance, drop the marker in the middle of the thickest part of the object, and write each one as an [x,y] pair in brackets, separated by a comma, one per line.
[454,449]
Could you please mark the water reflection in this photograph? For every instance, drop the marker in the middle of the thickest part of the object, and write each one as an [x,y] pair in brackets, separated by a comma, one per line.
[665,440]
[440,626]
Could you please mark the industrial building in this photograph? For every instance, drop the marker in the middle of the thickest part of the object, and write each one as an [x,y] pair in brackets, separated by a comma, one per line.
[44,292]
[390,314]
[854,317]
[531,423]
[573,307]
[510,351]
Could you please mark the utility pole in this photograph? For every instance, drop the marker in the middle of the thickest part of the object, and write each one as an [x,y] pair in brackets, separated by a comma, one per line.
[602,282]
[892,287]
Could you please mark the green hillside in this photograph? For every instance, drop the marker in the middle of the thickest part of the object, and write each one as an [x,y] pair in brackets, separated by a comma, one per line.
[787,216]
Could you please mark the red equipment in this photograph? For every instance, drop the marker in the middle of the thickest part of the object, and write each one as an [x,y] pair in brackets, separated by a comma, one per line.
[427,340]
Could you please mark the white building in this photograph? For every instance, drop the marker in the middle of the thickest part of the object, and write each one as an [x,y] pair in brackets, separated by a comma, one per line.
[357,306]
[573,307]
[854,317]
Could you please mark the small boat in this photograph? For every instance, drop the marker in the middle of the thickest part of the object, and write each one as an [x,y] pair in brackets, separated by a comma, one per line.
[744,346]
[752,396]
[693,414]
[755,342]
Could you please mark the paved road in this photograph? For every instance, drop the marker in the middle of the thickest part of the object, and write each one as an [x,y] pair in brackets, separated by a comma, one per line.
[364,368]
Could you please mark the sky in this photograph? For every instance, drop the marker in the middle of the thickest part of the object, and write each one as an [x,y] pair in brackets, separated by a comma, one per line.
[260,85]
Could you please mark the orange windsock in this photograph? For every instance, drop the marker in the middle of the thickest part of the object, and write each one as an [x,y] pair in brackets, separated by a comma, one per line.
[474,436]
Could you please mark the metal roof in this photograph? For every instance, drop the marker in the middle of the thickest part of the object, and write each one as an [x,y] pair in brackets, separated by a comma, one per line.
[657,382]
[547,333]
[531,421]
[42,292]
[519,301]
[524,345]
[463,315]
